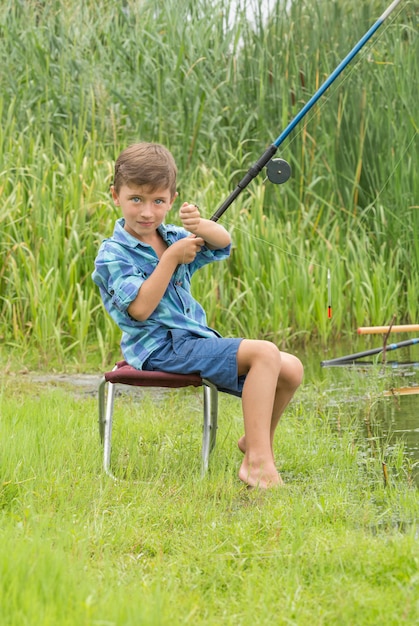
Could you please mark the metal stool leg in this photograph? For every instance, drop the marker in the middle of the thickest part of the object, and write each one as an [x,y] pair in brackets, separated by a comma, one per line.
[101,399]
[108,429]
[210,422]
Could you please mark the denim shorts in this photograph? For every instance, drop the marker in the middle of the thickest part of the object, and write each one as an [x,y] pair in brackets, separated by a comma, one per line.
[213,358]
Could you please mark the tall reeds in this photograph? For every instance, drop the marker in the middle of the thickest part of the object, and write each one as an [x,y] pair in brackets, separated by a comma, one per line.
[84,80]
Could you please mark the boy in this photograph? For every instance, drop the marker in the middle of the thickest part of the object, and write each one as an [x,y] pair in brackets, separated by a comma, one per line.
[143,272]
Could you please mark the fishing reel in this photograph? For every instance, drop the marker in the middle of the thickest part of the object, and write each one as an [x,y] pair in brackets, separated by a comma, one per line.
[278,171]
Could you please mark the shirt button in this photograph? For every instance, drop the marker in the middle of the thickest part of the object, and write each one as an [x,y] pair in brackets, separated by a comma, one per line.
[188,310]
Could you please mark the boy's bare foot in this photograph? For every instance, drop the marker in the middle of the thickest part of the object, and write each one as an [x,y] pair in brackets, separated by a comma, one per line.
[242,444]
[261,477]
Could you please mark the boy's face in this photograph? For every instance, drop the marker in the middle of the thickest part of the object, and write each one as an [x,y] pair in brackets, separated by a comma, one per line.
[144,210]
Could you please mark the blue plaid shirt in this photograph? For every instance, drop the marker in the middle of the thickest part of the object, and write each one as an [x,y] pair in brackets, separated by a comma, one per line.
[122,265]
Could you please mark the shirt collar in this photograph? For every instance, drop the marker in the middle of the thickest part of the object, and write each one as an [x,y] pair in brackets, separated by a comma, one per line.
[123,237]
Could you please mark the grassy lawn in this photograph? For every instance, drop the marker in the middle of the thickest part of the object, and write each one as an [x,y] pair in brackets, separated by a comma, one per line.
[163,546]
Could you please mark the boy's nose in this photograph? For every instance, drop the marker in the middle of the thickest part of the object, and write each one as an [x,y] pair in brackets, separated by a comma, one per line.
[146,208]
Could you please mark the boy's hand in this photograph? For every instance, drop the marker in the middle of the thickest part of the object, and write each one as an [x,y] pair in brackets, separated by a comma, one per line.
[214,235]
[185,250]
[190,216]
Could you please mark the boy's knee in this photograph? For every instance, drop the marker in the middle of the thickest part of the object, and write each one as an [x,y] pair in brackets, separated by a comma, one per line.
[300,372]
[271,354]
[296,371]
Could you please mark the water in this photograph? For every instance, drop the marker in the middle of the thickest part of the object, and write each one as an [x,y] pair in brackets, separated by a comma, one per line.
[383,400]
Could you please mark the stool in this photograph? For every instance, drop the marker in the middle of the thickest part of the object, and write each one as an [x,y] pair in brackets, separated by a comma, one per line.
[124,374]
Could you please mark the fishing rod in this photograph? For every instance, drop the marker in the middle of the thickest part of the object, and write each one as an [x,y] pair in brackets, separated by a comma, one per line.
[345,360]
[278,170]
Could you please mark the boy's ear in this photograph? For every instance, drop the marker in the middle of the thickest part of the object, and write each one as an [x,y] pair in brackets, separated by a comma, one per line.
[114,195]
[173,199]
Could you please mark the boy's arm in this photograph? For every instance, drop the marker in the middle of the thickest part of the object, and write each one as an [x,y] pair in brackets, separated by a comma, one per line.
[214,235]
[204,231]
[152,290]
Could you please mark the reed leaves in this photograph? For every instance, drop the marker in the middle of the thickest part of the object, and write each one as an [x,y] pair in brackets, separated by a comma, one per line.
[84,80]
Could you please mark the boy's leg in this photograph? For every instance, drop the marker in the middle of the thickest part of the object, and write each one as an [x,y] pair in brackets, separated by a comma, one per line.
[271,380]
[290,378]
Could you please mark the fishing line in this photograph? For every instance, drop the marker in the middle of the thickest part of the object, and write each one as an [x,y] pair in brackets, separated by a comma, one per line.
[379,193]
[306,259]
[336,87]
[278,171]
[275,174]
[309,260]
[343,80]
[396,165]
[275,245]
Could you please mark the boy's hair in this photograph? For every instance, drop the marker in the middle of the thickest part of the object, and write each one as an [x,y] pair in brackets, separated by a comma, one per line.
[148,164]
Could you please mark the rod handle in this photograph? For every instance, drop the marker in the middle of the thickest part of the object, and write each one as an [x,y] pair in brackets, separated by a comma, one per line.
[382,330]
[249,176]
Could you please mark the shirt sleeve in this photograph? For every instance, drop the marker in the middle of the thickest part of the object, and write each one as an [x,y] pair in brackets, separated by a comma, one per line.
[118,278]
[205,256]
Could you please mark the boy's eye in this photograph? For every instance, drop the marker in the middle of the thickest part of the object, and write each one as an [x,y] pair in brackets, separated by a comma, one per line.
[137,199]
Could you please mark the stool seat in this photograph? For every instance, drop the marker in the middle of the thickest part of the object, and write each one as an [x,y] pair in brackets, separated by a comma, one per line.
[125,374]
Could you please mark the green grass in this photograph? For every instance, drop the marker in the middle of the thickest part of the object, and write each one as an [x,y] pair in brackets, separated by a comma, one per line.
[334,546]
